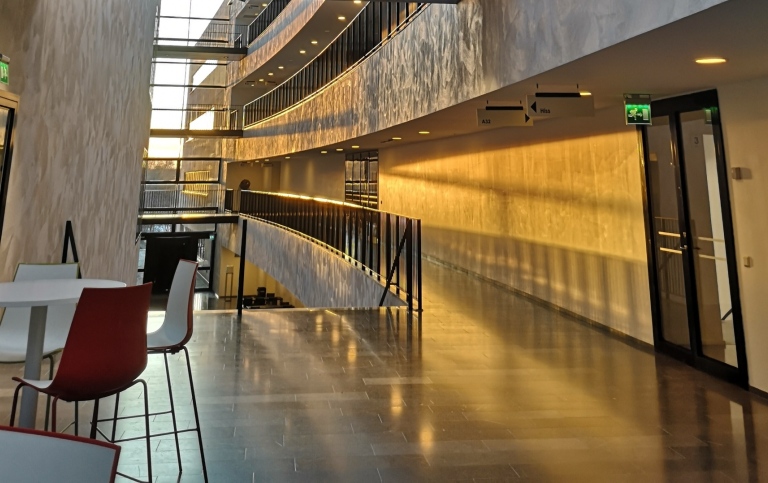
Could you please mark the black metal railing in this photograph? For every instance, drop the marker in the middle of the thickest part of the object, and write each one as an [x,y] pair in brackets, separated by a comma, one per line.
[376,23]
[182,198]
[386,245]
[265,19]
[199,117]
[229,201]
[216,33]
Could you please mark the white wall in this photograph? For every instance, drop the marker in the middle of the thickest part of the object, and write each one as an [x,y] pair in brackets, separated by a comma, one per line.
[555,211]
[744,111]
[322,176]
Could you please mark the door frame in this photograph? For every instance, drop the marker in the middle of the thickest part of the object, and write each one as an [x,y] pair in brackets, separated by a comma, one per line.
[9,101]
[672,107]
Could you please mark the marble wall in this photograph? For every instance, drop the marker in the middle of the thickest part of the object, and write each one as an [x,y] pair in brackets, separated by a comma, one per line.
[555,212]
[317,277]
[82,70]
[453,53]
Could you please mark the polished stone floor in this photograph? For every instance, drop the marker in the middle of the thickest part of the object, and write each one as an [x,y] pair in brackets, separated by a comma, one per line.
[491,388]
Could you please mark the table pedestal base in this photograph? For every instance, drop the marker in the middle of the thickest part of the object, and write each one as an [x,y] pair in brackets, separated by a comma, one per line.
[28,409]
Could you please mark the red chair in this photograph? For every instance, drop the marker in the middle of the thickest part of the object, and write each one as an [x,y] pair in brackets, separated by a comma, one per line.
[65,458]
[105,353]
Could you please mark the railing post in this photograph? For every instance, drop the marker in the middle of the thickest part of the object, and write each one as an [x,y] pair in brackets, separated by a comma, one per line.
[241,275]
[409,262]
[418,263]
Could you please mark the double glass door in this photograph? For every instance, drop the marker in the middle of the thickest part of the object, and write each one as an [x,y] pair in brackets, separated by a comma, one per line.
[8,106]
[693,268]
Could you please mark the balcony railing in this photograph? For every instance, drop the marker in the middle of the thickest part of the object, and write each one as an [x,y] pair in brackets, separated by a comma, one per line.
[385,245]
[265,18]
[376,23]
[198,117]
[216,33]
[182,198]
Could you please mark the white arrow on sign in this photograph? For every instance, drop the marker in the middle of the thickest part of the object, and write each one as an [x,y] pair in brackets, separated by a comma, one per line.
[493,116]
[546,105]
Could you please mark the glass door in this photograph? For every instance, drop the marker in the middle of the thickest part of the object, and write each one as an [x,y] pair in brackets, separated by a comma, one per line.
[8,106]
[697,316]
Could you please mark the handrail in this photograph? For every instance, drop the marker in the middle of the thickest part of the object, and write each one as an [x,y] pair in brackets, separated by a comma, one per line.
[371,239]
[211,116]
[376,23]
[217,33]
[265,18]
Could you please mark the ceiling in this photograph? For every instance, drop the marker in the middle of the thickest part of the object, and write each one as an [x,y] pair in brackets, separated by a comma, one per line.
[323,28]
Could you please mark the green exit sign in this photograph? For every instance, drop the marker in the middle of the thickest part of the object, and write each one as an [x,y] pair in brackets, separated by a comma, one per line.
[3,73]
[637,109]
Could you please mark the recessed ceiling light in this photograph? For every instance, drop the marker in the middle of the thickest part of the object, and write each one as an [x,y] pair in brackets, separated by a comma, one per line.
[585,93]
[355,147]
[339,149]
[358,1]
[397,139]
[424,132]
[261,80]
[342,17]
[281,67]
[314,42]
[323,152]
[287,157]
[271,73]
[711,60]
[302,51]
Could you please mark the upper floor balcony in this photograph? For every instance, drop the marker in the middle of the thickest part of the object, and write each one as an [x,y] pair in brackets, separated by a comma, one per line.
[219,39]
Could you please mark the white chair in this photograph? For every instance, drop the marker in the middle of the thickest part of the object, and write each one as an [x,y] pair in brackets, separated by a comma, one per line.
[171,338]
[14,324]
[29,456]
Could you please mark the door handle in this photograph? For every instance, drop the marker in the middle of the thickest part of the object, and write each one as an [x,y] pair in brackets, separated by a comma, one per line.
[683,247]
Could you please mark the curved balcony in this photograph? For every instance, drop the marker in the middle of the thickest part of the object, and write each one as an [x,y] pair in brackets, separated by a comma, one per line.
[373,26]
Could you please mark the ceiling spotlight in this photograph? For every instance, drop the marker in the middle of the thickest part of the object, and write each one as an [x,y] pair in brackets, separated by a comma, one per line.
[323,152]
[281,67]
[342,17]
[355,147]
[339,149]
[424,132]
[711,60]
[358,2]
[585,93]
[314,42]
[397,139]
[261,80]
[287,157]
[302,51]
[271,73]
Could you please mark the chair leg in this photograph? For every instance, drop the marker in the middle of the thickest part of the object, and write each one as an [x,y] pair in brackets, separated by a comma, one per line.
[77,418]
[146,425]
[48,396]
[173,410]
[95,419]
[197,417]
[54,405]
[114,419]
[13,405]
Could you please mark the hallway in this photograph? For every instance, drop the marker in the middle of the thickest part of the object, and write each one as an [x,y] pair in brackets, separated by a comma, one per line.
[495,388]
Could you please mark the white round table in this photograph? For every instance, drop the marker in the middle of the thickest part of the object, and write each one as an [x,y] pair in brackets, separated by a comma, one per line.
[39,294]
